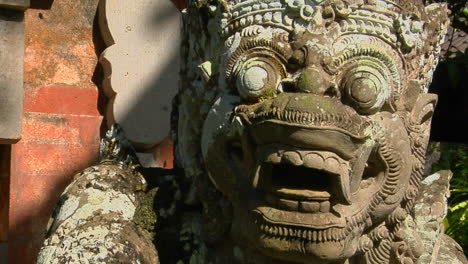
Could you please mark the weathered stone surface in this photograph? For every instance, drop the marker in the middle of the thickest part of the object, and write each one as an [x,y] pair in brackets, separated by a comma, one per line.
[429,212]
[312,118]
[15,4]
[94,220]
[11,74]
[302,131]
[141,65]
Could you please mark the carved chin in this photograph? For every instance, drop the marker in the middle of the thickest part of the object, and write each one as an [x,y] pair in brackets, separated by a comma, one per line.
[301,198]
[293,244]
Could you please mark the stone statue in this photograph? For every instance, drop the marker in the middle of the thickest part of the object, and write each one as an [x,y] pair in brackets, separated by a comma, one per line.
[302,127]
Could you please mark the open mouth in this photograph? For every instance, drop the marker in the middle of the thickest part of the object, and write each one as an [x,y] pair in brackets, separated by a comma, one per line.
[303,180]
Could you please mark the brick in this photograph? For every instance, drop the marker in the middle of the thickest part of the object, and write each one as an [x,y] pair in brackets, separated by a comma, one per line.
[40,173]
[59,44]
[62,99]
[56,129]
[50,159]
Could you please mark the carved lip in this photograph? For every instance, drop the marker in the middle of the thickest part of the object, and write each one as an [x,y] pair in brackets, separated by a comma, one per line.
[306,111]
[296,219]
[307,181]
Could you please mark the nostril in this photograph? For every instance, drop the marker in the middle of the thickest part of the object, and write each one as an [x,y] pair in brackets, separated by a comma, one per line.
[287,85]
[314,80]
[332,91]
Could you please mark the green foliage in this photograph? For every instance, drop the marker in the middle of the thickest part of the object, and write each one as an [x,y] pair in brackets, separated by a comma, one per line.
[455,158]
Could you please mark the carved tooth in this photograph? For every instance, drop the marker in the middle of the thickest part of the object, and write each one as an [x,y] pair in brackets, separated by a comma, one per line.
[333,165]
[274,158]
[309,207]
[325,207]
[313,160]
[293,158]
[270,230]
[334,235]
[314,236]
[345,186]
[309,235]
[288,204]
[342,234]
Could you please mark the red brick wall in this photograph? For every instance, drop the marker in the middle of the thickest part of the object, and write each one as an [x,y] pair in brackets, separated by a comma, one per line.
[61,123]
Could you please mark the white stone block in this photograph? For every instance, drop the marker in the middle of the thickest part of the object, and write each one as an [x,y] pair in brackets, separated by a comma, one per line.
[141,65]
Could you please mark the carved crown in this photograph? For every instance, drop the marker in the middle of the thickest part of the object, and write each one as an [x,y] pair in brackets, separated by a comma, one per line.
[293,15]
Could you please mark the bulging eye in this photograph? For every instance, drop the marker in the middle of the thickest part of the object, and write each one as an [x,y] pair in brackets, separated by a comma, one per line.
[366,88]
[256,68]
[258,78]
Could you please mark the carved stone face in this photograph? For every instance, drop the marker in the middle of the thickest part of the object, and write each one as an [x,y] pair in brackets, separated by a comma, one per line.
[318,137]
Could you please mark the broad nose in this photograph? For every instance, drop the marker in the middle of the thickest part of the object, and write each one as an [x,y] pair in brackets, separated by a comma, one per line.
[314,80]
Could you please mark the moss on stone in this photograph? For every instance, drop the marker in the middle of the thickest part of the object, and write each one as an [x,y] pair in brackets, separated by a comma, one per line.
[145,216]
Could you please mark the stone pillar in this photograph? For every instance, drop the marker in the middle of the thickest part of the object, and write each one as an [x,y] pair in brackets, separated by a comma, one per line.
[11,75]
[11,99]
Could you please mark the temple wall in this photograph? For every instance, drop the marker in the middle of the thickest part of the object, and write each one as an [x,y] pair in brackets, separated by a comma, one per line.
[61,120]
